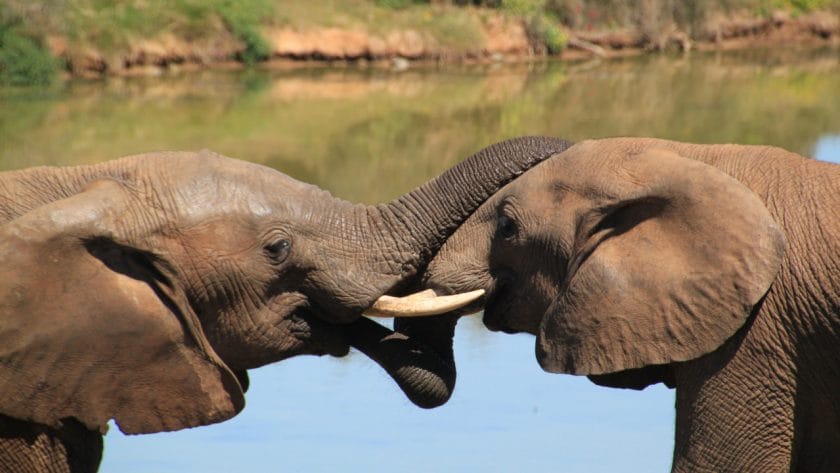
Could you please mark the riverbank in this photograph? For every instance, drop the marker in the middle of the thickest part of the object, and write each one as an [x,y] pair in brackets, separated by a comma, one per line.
[141,37]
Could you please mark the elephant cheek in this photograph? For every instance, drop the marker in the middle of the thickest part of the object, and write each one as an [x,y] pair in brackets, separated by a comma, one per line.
[240,342]
[281,329]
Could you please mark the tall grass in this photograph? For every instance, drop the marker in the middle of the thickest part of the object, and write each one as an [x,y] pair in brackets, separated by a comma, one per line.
[112,26]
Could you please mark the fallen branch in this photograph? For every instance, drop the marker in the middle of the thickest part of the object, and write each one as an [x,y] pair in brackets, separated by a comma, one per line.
[587,46]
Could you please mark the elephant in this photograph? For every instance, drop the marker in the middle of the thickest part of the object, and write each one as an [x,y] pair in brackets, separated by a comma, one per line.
[710,268]
[143,289]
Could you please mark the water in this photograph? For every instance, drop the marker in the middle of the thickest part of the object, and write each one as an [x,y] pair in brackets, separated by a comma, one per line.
[369,135]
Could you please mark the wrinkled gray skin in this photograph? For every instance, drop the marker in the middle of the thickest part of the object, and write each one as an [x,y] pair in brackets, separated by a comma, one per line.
[142,289]
[711,268]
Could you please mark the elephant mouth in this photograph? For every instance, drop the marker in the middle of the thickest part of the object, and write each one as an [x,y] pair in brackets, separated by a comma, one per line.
[498,300]
[493,317]
[332,339]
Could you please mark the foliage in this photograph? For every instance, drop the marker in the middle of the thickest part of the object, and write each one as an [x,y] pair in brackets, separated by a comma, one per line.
[23,61]
[542,20]
[808,5]
[555,39]
[109,29]
[243,19]
[523,7]
[398,4]
[110,26]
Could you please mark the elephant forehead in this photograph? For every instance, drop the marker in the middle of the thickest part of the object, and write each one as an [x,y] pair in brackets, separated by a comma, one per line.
[266,193]
[236,175]
[596,170]
[214,194]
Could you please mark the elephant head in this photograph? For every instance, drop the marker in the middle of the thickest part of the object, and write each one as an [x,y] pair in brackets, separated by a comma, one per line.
[143,289]
[622,256]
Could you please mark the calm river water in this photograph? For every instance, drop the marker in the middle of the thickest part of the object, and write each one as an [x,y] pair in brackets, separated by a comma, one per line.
[370,135]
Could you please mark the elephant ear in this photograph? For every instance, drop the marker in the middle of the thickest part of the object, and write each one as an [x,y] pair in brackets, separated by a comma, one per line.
[670,257]
[93,325]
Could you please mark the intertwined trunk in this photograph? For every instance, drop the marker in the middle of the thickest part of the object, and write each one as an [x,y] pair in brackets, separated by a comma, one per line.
[420,221]
[409,231]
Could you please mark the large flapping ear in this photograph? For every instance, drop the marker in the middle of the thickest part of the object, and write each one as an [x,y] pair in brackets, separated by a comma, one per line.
[671,256]
[93,326]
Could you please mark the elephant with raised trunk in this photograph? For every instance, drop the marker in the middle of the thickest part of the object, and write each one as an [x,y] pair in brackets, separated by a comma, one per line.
[711,268]
[142,289]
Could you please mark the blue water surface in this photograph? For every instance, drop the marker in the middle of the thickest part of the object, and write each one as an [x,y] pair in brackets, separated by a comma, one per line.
[323,415]
[828,149]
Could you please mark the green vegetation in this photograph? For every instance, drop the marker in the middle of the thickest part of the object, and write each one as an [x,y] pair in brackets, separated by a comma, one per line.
[554,38]
[23,61]
[244,19]
[101,34]
[110,27]
[398,4]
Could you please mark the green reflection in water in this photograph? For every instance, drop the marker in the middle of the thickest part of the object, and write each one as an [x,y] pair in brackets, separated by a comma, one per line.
[369,135]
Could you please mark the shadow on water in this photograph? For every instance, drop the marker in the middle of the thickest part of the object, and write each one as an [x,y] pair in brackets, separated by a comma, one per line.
[368,135]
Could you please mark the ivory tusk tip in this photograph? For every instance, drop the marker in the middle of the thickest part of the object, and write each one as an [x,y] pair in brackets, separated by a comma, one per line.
[421,304]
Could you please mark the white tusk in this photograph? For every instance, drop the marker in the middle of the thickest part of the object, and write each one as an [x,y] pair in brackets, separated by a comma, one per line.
[420,304]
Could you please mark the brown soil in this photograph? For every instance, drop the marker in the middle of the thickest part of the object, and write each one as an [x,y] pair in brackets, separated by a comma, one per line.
[505,39]
[721,33]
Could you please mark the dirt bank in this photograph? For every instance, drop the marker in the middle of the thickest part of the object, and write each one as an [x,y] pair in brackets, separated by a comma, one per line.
[718,33]
[501,38]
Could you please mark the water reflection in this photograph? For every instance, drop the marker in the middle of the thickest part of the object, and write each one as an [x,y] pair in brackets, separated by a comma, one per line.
[369,135]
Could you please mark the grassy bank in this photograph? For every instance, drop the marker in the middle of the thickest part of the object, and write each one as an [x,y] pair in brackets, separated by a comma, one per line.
[93,37]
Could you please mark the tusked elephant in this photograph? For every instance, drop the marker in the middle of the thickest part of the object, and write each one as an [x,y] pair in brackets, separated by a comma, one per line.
[714,269]
[142,289]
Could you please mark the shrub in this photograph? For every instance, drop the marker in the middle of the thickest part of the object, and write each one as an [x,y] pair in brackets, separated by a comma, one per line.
[808,5]
[553,36]
[243,19]
[23,61]
[398,4]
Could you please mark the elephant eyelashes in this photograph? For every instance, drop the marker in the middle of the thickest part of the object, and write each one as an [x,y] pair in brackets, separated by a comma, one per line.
[279,250]
[506,227]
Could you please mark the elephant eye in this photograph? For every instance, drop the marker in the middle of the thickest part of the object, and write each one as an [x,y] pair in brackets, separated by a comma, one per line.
[506,227]
[279,250]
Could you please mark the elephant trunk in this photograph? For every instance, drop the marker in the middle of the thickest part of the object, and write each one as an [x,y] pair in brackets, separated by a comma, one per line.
[421,362]
[389,244]
[417,223]
[418,355]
